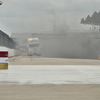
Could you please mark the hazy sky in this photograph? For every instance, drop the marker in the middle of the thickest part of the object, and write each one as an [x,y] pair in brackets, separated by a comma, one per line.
[44,15]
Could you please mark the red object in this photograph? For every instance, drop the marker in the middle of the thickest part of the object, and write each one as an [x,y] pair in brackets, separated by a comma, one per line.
[3,54]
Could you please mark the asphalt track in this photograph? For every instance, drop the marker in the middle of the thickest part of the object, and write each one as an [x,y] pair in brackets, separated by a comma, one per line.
[39,70]
[37,60]
[45,74]
[36,78]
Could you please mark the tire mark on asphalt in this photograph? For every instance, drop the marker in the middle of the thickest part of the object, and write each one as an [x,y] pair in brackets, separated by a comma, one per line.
[15,59]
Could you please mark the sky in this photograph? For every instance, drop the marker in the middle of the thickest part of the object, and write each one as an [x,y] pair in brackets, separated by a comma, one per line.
[17,16]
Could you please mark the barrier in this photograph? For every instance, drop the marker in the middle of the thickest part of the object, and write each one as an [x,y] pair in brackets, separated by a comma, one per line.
[3,58]
[13,52]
